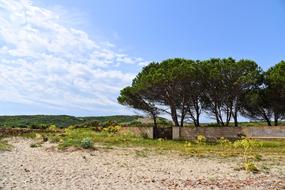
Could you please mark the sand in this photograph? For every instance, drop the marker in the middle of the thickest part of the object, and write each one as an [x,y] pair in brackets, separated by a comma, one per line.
[124,168]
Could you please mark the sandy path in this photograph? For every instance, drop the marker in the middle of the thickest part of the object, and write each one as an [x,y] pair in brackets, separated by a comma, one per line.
[44,168]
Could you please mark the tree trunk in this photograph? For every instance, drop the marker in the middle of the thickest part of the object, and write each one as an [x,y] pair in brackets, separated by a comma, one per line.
[174,117]
[154,125]
[266,118]
[235,119]
[182,120]
[154,121]
[229,116]
[235,116]
[217,119]
[276,119]
[198,121]
[268,121]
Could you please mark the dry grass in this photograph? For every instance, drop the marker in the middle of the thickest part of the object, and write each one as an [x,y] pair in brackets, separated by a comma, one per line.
[74,137]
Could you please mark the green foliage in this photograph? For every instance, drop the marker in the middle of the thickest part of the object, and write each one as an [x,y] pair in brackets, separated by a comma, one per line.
[141,153]
[38,126]
[112,129]
[201,139]
[247,145]
[87,143]
[54,138]
[275,81]
[72,137]
[224,142]
[61,121]
[250,167]
[4,146]
[38,121]
[258,157]
[120,119]
[52,128]
[186,87]
[35,145]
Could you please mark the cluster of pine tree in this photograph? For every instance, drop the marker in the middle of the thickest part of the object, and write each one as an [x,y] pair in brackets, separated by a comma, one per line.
[224,89]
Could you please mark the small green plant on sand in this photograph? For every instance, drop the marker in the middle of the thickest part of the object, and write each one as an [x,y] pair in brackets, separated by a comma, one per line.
[250,167]
[201,139]
[257,157]
[224,142]
[87,142]
[247,145]
[141,153]
[4,145]
[35,145]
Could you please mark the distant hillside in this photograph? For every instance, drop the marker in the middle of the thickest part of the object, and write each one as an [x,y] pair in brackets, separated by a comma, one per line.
[66,120]
[29,120]
[116,118]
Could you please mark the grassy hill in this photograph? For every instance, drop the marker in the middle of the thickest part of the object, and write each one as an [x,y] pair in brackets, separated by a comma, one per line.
[66,120]
[62,121]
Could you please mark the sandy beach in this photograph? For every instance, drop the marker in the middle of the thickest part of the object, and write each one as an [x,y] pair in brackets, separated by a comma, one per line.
[46,167]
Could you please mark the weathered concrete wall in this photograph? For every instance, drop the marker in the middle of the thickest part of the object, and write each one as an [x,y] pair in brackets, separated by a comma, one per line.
[141,131]
[213,133]
[175,133]
[210,132]
[231,132]
[265,132]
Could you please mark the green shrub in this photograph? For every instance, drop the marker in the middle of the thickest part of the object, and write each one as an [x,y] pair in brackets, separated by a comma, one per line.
[224,142]
[141,153]
[109,123]
[54,138]
[89,124]
[258,157]
[201,139]
[145,136]
[39,126]
[112,129]
[35,145]
[52,128]
[246,144]
[250,167]
[87,142]
[136,123]
[4,146]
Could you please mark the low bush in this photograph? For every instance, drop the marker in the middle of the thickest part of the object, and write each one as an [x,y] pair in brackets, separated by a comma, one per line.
[87,143]
[201,139]
[38,126]
[52,128]
[4,146]
[109,123]
[250,167]
[35,145]
[246,144]
[89,124]
[54,138]
[257,157]
[224,142]
[112,129]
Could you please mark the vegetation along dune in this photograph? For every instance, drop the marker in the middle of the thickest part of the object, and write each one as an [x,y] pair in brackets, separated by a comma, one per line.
[142,95]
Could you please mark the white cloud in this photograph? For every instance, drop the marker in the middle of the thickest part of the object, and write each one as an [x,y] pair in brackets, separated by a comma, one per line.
[45,62]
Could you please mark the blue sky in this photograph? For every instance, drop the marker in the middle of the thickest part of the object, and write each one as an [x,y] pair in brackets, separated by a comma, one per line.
[73,57]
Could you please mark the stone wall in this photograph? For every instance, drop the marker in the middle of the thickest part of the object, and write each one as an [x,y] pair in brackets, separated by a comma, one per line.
[186,133]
